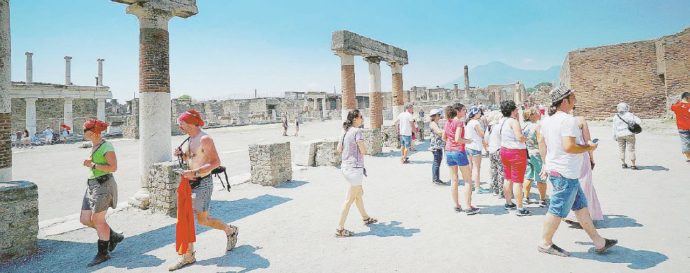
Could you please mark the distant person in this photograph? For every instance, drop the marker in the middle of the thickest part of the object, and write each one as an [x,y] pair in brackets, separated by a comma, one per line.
[405,125]
[26,139]
[352,150]
[48,135]
[622,135]
[101,191]
[456,158]
[513,156]
[563,156]
[297,122]
[682,110]
[436,145]
[285,124]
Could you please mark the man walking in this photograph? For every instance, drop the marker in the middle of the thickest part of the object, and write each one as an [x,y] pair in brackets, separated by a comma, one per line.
[203,158]
[682,110]
[404,123]
[558,147]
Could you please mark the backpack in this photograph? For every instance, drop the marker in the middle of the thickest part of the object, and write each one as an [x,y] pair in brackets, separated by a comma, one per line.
[633,127]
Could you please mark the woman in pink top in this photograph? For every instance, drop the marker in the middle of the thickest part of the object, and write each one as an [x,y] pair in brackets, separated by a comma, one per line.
[456,158]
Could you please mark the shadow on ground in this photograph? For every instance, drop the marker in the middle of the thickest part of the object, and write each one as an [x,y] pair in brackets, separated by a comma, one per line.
[617,221]
[243,256]
[291,184]
[636,259]
[655,168]
[392,229]
[67,256]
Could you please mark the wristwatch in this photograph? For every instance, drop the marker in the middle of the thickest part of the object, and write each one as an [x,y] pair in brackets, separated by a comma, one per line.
[93,167]
[196,173]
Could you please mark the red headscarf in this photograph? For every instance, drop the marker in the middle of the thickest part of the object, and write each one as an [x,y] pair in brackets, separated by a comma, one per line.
[96,126]
[191,117]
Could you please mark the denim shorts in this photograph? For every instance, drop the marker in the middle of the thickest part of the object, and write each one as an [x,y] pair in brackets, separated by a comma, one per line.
[685,140]
[473,152]
[567,195]
[456,158]
[201,195]
[406,141]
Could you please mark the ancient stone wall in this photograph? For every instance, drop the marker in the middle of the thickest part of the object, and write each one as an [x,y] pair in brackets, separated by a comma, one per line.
[163,181]
[18,218]
[50,112]
[644,74]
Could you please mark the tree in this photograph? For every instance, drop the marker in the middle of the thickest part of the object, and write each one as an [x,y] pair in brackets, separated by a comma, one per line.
[185,97]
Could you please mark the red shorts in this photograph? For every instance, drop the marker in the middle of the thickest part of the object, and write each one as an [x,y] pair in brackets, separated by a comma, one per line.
[514,164]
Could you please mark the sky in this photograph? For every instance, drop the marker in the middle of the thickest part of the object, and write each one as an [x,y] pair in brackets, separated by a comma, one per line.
[232,47]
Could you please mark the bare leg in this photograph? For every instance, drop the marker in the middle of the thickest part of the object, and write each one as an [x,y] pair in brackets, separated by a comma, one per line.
[687,155]
[476,166]
[550,226]
[518,194]
[542,190]
[205,220]
[526,187]
[508,191]
[349,199]
[585,221]
[359,202]
[102,228]
[454,185]
[467,177]
[85,218]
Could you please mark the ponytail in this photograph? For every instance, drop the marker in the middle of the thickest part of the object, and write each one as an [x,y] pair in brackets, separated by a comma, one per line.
[351,116]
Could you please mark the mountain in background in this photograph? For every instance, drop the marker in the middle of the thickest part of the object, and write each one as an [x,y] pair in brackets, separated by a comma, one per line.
[500,73]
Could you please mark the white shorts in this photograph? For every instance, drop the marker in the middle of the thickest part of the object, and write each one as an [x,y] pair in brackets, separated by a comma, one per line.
[354,176]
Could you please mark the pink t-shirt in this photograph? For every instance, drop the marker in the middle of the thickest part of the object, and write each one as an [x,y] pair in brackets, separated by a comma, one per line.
[449,129]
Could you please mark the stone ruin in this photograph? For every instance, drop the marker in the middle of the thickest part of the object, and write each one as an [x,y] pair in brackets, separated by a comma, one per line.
[18,218]
[271,164]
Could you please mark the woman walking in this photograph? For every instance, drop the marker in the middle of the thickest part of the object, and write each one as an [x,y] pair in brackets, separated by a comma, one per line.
[101,191]
[474,149]
[514,157]
[534,163]
[622,135]
[352,151]
[436,146]
[593,205]
[456,158]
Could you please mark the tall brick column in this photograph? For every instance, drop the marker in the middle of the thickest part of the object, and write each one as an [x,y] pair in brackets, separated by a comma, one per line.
[5,108]
[347,82]
[375,97]
[398,97]
[154,83]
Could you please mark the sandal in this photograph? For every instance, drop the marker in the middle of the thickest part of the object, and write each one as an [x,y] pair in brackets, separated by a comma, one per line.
[634,167]
[182,263]
[340,233]
[625,166]
[458,209]
[232,238]
[369,221]
[554,250]
[608,244]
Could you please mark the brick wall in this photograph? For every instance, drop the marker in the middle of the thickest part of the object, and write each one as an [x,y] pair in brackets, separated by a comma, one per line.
[5,143]
[677,60]
[154,63]
[347,76]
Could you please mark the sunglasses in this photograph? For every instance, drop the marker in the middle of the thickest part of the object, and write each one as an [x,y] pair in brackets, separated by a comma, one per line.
[88,129]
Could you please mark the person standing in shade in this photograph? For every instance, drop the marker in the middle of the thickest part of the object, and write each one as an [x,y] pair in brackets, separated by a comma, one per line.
[101,190]
[456,158]
[563,156]
[622,134]
[436,145]
[534,163]
[682,110]
[202,157]
[513,156]
[474,149]
[405,124]
[352,150]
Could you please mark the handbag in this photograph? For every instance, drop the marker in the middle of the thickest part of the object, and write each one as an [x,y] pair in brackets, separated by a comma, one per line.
[632,127]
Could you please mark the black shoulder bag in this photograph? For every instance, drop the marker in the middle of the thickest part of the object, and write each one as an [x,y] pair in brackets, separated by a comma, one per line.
[633,127]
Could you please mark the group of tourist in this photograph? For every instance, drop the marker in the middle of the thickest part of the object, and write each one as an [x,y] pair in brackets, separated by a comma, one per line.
[23,139]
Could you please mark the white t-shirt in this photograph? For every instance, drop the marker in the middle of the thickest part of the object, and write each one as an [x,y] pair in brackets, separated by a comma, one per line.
[554,129]
[404,120]
[508,137]
[471,133]
[494,139]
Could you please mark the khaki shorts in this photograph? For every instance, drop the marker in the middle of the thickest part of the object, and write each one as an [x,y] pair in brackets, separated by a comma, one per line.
[99,196]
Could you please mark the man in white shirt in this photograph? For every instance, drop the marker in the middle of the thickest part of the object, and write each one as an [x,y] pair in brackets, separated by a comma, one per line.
[563,158]
[404,123]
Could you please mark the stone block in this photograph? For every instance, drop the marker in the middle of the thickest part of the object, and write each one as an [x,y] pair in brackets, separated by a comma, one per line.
[19,220]
[373,140]
[327,154]
[391,138]
[304,153]
[164,178]
[271,164]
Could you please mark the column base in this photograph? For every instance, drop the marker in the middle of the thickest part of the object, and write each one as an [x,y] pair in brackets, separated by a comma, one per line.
[141,199]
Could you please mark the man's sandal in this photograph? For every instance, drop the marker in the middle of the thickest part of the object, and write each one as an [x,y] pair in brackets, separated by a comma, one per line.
[554,250]
[369,221]
[340,233]
[182,263]
[608,243]
[232,238]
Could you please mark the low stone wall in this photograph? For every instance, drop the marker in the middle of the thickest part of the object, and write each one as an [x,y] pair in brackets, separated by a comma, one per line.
[130,129]
[327,153]
[373,140]
[390,136]
[163,183]
[271,164]
[18,219]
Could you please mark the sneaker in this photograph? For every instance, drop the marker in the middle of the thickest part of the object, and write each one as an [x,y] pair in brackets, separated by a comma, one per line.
[472,211]
[510,206]
[543,204]
[523,212]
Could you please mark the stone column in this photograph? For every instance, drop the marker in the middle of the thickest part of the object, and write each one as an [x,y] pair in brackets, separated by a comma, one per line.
[31,115]
[347,82]
[398,97]
[67,113]
[5,100]
[467,82]
[375,98]
[154,83]
[68,70]
[100,72]
[29,67]
[323,108]
[100,109]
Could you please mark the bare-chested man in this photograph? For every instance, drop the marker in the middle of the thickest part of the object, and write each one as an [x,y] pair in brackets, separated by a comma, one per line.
[202,158]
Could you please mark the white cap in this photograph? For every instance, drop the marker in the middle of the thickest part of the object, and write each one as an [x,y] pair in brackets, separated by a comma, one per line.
[435,112]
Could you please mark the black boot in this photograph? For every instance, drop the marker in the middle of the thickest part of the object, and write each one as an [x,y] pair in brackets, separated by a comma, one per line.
[115,238]
[102,254]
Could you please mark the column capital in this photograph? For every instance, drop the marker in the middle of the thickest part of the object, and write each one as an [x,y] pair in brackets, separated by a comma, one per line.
[68,58]
[373,59]
[156,14]
[30,99]
[29,53]
[396,68]
[100,60]
[345,58]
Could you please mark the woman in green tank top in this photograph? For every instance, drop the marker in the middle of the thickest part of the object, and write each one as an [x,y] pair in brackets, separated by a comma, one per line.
[101,190]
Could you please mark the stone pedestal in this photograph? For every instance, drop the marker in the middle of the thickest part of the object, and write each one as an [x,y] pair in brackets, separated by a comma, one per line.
[327,154]
[18,219]
[391,138]
[373,140]
[305,153]
[164,179]
[270,163]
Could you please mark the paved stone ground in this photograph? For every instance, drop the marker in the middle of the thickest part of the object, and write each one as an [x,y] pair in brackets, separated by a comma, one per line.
[290,228]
